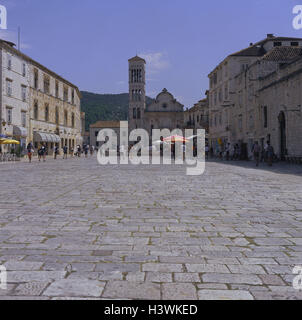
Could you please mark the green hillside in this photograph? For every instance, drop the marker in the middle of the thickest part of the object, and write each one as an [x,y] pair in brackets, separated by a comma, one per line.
[105,106]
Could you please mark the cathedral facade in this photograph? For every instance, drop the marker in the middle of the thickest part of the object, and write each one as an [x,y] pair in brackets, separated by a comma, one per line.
[165,112]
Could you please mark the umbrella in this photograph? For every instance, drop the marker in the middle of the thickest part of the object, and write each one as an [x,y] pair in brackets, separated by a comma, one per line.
[176,138]
[8,141]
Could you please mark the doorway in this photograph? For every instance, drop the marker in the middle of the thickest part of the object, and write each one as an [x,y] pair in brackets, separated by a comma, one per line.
[282,128]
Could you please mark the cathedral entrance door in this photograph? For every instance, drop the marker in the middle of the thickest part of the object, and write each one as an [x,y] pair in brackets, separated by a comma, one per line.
[282,135]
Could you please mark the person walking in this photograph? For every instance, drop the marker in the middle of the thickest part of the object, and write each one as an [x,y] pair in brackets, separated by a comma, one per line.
[86,149]
[29,151]
[270,154]
[65,151]
[40,153]
[79,151]
[207,151]
[227,150]
[256,151]
[43,151]
[91,150]
[56,152]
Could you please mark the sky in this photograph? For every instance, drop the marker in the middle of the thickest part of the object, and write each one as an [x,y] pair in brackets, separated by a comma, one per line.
[89,42]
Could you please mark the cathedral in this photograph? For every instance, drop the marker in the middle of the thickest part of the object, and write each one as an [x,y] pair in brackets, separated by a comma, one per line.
[165,112]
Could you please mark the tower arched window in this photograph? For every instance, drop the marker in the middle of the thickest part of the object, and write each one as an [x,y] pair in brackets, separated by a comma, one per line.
[140,75]
[138,113]
[134,113]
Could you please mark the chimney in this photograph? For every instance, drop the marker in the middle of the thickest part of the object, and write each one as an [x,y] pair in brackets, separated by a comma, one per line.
[270,35]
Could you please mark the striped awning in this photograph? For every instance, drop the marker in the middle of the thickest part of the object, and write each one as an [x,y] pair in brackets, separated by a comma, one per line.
[46,137]
[20,131]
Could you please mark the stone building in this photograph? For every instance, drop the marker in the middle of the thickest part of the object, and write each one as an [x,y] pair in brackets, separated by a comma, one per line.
[14,94]
[197,117]
[165,112]
[260,105]
[54,109]
[104,125]
[279,100]
[37,105]
[223,93]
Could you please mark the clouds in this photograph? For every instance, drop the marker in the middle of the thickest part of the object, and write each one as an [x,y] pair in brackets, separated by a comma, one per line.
[156,62]
[121,83]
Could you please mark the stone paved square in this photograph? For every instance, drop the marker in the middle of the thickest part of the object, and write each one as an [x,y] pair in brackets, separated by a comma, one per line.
[77,230]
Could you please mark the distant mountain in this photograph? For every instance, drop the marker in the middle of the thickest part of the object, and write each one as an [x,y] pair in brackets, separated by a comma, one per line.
[105,107]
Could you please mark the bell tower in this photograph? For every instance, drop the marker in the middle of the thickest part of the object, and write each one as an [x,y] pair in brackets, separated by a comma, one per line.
[137,94]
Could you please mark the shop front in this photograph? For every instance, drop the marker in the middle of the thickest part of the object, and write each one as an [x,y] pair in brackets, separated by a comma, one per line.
[48,139]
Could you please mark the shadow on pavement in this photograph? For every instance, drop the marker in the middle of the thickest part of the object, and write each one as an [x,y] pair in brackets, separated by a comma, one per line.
[279,167]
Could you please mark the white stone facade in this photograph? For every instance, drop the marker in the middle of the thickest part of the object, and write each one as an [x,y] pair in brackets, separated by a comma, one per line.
[238,101]
[197,117]
[37,105]
[54,110]
[14,101]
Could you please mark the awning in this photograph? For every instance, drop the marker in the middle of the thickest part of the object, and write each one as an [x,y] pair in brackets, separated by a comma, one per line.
[53,138]
[46,137]
[57,138]
[20,131]
[40,137]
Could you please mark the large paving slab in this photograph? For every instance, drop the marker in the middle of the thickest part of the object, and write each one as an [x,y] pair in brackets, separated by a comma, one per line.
[72,229]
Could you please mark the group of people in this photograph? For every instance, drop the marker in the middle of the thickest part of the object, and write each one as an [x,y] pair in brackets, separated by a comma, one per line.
[267,154]
[42,151]
[237,152]
[85,150]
